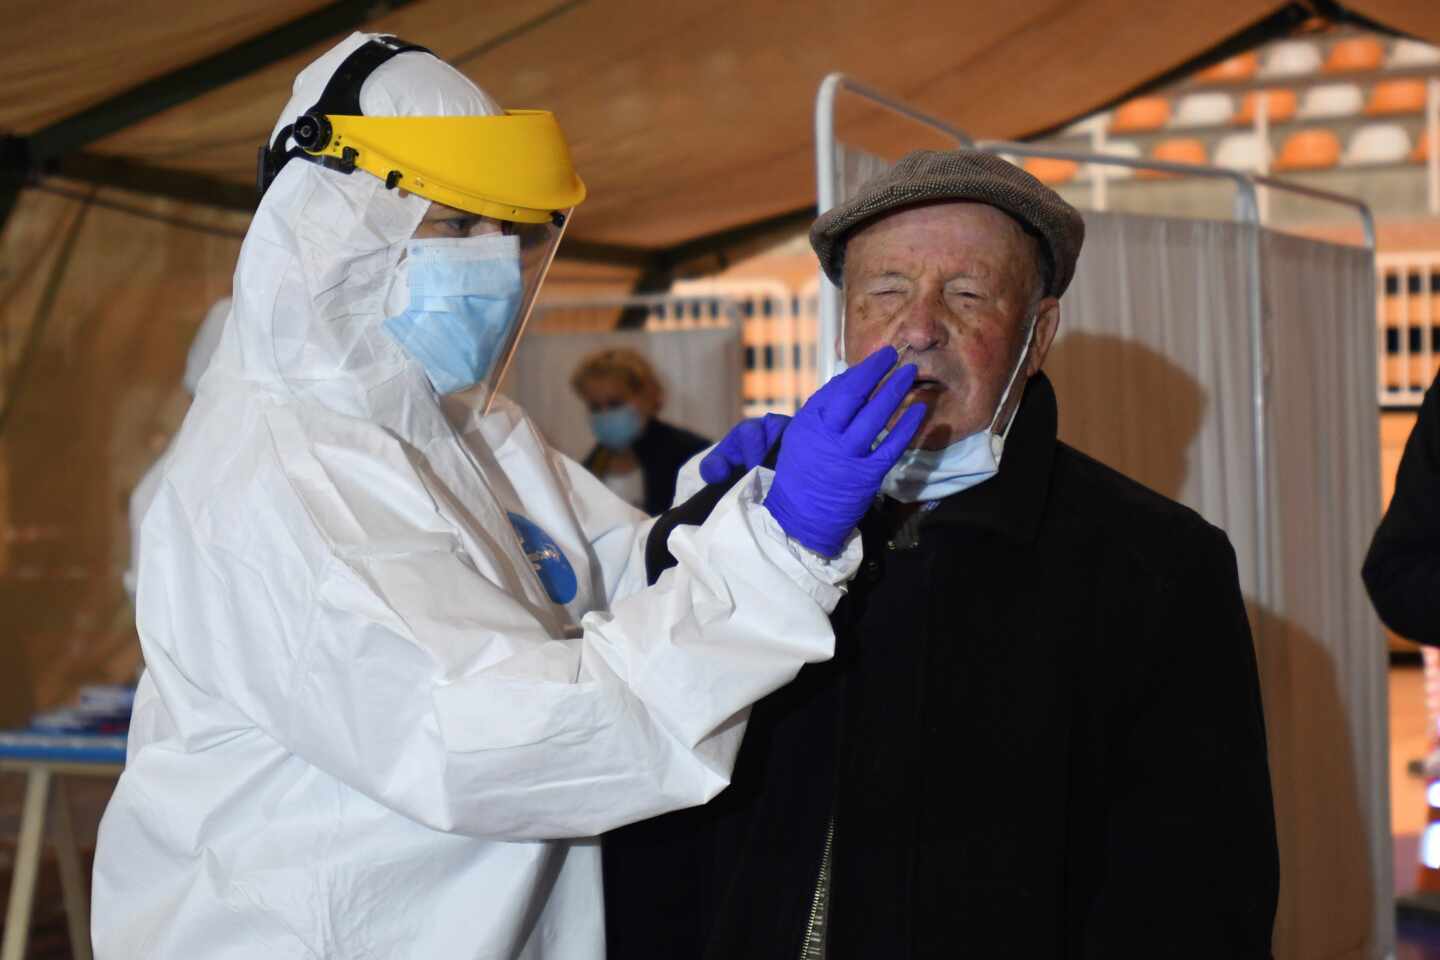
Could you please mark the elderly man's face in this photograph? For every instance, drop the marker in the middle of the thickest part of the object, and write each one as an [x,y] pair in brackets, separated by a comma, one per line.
[956,283]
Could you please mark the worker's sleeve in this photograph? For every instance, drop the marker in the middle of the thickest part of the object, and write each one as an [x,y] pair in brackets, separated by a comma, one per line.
[348,624]
[1191,864]
[1402,569]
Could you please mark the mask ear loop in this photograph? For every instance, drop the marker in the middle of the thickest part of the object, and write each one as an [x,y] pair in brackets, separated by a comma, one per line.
[997,440]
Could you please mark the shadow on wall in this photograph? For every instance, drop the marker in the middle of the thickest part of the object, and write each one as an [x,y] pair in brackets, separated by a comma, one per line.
[1327,878]
[1102,381]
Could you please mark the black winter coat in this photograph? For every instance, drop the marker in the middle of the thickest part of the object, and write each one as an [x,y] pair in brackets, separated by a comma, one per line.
[1041,736]
[1402,569]
[662,450]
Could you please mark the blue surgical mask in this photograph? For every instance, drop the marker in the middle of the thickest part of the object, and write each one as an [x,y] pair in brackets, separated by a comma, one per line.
[921,475]
[464,307]
[617,428]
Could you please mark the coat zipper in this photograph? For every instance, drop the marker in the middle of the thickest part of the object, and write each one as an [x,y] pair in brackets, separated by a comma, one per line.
[813,947]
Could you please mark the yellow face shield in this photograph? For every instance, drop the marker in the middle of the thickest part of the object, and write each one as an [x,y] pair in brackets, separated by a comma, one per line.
[514,167]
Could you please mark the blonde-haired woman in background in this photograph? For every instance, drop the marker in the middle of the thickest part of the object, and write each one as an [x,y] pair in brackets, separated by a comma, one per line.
[636,454]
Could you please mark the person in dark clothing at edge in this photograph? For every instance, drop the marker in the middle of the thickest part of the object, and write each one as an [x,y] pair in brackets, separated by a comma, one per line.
[636,454]
[1402,569]
[1041,734]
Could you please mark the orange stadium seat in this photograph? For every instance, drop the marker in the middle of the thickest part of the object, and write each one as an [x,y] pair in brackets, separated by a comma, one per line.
[1279,106]
[1176,150]
[1309,150]
[1239,67]
[1397,96]
[1050,170]
[1142,113]
[1355,54]
[1421,153]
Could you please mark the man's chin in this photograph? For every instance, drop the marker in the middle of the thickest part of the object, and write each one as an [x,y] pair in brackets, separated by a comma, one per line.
[939,432]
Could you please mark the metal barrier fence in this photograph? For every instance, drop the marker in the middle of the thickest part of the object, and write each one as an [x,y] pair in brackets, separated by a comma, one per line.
[1407,289]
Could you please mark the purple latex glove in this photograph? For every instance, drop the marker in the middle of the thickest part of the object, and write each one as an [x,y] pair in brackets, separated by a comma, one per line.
[744,447]
[827,474]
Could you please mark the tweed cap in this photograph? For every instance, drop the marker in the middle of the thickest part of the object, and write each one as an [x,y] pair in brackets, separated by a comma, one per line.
[930,176]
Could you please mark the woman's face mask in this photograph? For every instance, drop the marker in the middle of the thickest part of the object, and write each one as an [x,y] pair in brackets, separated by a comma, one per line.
[464,306]
[618,427]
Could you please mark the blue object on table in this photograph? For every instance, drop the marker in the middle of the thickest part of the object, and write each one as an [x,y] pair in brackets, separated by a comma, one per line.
[65,748]
[103,708]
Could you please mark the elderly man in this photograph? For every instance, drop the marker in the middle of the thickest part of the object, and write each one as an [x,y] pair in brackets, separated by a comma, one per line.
[1041,734]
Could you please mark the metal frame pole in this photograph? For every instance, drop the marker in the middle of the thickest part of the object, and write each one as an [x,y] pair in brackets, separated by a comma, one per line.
[1432,142]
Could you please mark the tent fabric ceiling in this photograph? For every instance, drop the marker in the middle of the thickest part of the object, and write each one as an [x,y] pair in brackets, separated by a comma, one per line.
[1418,18]
[690,118]
[59,58]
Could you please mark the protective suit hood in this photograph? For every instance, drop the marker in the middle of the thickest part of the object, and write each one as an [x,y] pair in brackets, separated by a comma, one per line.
[312,327]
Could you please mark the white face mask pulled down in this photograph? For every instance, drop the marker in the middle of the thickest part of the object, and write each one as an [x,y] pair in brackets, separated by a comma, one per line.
[921,475]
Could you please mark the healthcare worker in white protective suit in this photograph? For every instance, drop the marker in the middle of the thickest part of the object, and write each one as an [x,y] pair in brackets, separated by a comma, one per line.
[401,659]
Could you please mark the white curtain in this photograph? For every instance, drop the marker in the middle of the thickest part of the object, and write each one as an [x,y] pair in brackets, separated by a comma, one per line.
[699,369]
[1153,368]
[1322,644]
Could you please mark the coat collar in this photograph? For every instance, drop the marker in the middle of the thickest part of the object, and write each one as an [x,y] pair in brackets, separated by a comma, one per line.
[1012,502]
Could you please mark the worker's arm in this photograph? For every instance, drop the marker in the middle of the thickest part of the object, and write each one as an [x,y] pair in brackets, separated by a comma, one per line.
[351,625]
[390,636]
[1402,569]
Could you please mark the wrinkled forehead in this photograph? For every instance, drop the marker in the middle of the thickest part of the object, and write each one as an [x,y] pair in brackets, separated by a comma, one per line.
[941,236]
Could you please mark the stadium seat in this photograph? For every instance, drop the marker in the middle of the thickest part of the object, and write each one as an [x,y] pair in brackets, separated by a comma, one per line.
[1413,53]
[1239,67]
[1240,151]
[1280,106]
[1332,100]
[1175,150]
[1378,143]
[1421,153]
[1396,96]
[1118,148]
[1203,110]
[1309,150]
[1050,170]
[1087,125]
[1291,58]
[1355,54]
[1142,113]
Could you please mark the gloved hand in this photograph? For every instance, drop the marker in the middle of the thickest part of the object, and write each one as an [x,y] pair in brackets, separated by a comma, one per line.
[827,474]
[745,446]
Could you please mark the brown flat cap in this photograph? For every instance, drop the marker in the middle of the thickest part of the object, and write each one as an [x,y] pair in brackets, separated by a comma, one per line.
[930,176]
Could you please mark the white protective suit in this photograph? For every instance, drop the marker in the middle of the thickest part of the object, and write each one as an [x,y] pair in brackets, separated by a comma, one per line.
[365,729]
[197,360]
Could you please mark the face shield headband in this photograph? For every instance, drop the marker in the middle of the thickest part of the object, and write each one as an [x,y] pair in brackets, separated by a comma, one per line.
[514,167]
